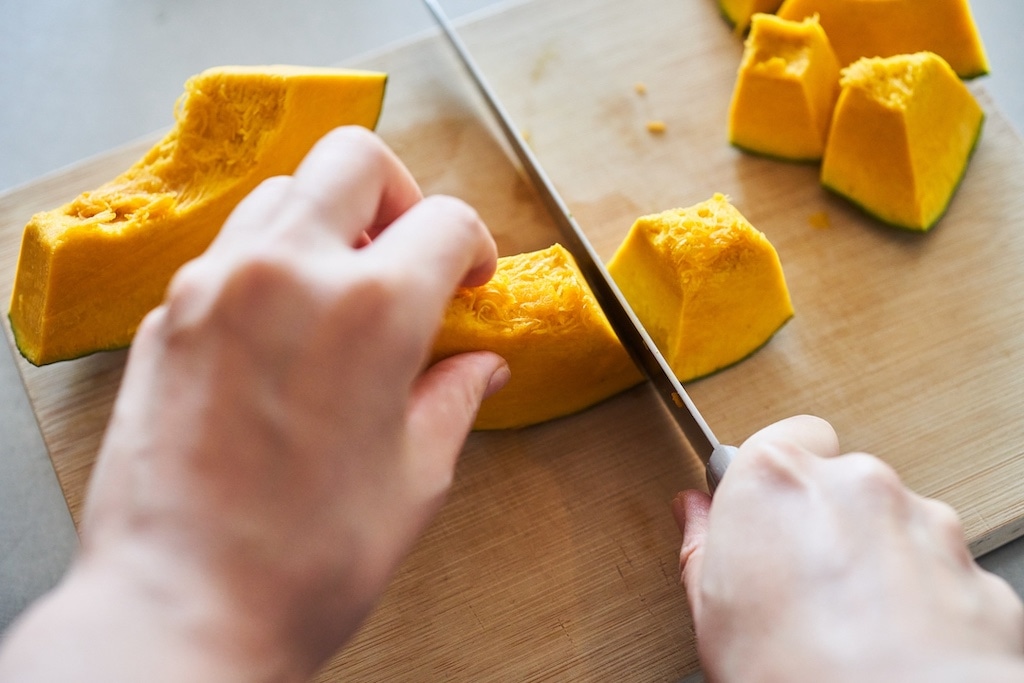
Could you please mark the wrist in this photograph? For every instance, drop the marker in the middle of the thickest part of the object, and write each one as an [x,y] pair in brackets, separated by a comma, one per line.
[806,665]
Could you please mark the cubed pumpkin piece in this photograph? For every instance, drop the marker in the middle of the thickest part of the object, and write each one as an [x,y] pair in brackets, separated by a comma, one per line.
[901,139]
[786,89]
[884,28]
[540,315]
[707,285]
[739,12]
[90,270]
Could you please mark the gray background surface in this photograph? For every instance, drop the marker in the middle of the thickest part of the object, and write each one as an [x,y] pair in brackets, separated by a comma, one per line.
[78,78]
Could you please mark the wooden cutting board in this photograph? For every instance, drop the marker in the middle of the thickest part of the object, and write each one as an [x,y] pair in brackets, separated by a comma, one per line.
[555,557]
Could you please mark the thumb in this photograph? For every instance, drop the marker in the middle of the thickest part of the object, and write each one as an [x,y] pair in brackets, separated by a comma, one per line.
[445,400]
[690,509]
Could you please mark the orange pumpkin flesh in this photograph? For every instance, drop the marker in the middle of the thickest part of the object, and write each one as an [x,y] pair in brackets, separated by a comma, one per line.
[884,28]
[539,314]
[785,91]
[739,12]
[707,285]
[902,137]
[89,271]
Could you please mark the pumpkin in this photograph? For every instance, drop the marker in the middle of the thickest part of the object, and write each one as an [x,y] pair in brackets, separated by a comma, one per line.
[901,139]
[739,12]
[707,285]
[885,28]
[539,314]
[785,91]
[89,271]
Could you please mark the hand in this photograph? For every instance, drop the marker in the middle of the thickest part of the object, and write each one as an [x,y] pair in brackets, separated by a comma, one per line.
[812,566]
[278,445]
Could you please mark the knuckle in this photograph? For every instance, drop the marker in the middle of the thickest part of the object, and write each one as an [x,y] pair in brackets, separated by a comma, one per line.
[781,462]
[273,187]
[252,293]
[873,474]
[877,485]
[356,135]
[946,519]
[254,212]
[1008,597]
[1002,602]
[373,301]
[257,280]
[948,528]
[152,326]
[187,295]
[375,290]
[355,142]
[188,281]
[454,211]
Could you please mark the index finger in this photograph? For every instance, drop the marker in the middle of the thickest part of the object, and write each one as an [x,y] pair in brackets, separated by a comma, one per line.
[439,244]
[780,452]
[803,432]
[355,183]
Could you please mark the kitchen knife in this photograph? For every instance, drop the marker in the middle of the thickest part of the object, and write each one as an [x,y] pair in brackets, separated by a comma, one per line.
[623,320]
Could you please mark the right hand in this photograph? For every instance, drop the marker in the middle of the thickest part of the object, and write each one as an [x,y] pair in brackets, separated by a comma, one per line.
[815,566]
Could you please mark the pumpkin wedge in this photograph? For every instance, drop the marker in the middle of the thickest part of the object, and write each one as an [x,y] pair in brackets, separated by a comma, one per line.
[786,89]
[901,139]
[707,285]
[89,271]
[884,28]
[539,314]
[739,12]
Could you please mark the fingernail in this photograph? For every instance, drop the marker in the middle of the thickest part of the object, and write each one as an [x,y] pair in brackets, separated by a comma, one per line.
[498,380]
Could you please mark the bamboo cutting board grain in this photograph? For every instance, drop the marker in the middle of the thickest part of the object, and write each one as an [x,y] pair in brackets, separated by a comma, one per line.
[555,557]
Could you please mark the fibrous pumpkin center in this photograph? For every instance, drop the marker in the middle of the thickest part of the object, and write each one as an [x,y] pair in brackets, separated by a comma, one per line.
[522,296]
[778,54]
[222,124]
[703,242]
[891,83]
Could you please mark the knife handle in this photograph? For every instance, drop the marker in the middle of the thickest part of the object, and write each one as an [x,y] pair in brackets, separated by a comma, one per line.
[718,463]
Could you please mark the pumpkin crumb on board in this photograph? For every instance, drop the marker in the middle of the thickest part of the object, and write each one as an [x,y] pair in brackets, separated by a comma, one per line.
[640,87]
[819,219]
[656,126]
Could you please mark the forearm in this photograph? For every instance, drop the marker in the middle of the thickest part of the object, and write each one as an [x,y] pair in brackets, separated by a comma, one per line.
[98,625]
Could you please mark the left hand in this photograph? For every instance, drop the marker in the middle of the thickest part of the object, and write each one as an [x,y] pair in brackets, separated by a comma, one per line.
[278,444]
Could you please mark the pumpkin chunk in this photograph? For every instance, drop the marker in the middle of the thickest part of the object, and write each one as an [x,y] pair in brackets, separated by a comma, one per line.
[885,28]
[90,270]
[902,136]
[786,89]
[707,286]
[739,12]
[539,314]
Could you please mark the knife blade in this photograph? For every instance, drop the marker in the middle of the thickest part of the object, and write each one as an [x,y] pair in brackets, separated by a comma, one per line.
[631,332]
